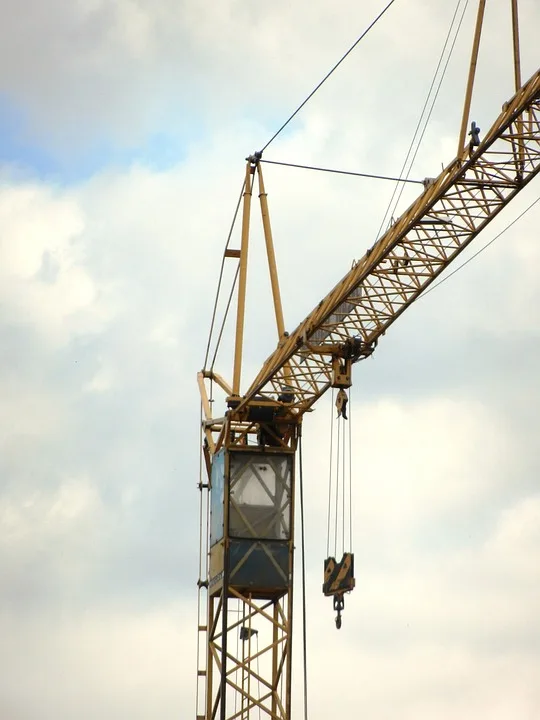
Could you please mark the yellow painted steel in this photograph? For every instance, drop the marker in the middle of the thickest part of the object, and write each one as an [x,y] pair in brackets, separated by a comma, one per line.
[454,208]
[470,82]
[515,39]
[274,280]
[242,280]
[517,74]
[256,678]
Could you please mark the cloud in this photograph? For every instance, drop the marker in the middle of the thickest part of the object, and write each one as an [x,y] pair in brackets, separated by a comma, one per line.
[44,281]
[98,75]
[437,622]
[112,663]
[99,510]
[107,286]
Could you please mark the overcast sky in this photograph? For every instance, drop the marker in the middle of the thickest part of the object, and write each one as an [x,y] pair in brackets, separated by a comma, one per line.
[124,125]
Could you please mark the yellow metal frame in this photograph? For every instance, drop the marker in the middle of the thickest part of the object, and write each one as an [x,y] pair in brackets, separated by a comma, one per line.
[240,677]
[236,680]
[470,82]
[242,255]
[426,239]
[257,674]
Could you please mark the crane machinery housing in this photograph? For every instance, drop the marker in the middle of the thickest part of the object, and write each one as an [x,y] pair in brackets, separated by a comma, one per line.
[248,493]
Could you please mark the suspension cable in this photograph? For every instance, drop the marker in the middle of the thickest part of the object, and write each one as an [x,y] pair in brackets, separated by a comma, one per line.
[325,78]
[337,489]
[303,546]
[343,492]
[235,279]
[350,474]
[214,312]
[225,316]
[390,210]
[330,474]
[343,172]
[339,508]
[258,672]
[481,250]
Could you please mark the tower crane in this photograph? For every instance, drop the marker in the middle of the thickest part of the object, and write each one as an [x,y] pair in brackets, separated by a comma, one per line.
[248,478]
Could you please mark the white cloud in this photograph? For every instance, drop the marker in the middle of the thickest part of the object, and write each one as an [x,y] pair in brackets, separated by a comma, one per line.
[447,633]
[436,592]
[434,456]
[44,281]
[125,70]
[111,663]
[517,540]
[40,516]
[107,289]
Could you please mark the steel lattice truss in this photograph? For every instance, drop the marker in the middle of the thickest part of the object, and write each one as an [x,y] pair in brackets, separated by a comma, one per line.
[257,677]
[454,208]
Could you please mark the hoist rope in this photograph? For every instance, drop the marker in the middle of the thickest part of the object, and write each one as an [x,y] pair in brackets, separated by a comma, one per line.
[220,281]
[237,670]
[343,494]
[258,671]
[303,546]
[339,521]
[330,474]
[225,315]
[337,488]
[391,209]
[477,253]
[342,172]
[350,473]
[325,78]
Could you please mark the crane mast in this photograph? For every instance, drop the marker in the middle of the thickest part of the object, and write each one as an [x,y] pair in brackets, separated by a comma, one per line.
[248,493]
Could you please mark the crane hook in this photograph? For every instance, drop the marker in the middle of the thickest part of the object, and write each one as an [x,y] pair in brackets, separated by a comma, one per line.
[338,579]
[341,403]
[339,604]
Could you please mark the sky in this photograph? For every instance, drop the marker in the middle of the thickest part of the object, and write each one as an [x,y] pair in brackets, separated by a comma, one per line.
[124,127]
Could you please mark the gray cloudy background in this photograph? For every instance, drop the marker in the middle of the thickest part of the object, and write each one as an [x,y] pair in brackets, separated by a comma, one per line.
[124,127]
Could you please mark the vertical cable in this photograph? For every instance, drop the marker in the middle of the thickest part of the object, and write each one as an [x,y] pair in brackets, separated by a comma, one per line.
[214,312]
[258,673]
[330,474]
[302,535]
[343,470]
[350,473]
[236,671]
[245,672]
[199,590]
[399,186]
[337,488]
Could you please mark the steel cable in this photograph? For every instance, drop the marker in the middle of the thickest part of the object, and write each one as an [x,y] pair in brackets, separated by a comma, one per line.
[342,172]
[481,250]
[303,546]
[325,78]
[220,280]
[390,210]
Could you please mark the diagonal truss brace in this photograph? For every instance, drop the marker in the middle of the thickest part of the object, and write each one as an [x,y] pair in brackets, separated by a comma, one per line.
[254,679]
[453,209]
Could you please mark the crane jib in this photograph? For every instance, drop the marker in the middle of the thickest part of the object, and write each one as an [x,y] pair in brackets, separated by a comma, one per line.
[453,209]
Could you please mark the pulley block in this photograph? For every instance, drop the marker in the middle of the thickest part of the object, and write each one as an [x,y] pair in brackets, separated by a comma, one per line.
[338,579]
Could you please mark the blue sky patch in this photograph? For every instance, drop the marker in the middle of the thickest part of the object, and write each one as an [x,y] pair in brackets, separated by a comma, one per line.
[158,150]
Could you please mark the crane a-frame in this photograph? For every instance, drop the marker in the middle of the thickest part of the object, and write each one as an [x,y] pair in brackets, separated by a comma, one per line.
[247,501]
